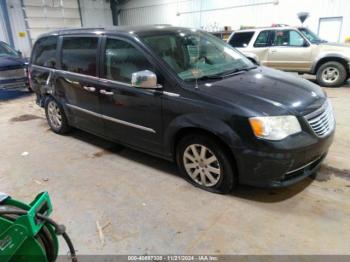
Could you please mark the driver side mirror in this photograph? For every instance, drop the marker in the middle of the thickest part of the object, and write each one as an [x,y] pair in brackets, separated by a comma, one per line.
[254,61]
[145,79]
[19,53]
[305,44]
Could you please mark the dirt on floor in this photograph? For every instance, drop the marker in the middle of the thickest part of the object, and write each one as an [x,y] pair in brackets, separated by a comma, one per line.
[142,206]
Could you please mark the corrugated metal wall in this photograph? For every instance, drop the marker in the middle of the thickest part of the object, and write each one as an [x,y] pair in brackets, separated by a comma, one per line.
[213,14]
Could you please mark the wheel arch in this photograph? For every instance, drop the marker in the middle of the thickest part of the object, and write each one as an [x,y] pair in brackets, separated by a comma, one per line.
[216,129]
[332,58]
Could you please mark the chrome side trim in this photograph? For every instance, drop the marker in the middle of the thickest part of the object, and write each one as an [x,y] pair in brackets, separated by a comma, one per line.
[107,81]
[103,80]
[122,122]
[302,167]
[42,67]
[170,94]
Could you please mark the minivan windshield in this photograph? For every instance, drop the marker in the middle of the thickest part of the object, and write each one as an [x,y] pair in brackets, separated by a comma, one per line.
[195,54]
[311,36]
[5,50]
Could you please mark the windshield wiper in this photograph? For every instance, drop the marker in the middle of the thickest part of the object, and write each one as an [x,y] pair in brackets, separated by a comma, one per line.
[224,74]
[238,70]
[205,77]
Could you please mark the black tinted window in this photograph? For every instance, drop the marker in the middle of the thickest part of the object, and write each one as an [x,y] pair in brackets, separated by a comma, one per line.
[241,39]
[263,39]
[122,59]
[44,53]
[79,55]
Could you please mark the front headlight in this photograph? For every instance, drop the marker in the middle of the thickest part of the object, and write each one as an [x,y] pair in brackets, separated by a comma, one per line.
[274,127]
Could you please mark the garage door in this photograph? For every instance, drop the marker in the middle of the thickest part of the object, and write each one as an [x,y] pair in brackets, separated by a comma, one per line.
[47,15]
[330,28]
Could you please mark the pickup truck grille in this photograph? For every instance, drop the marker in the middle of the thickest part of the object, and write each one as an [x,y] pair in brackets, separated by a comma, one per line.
[12,74]
[322,121]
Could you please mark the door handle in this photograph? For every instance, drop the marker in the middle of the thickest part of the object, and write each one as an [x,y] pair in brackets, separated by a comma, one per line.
[105,92]
[273,51]
[89,88]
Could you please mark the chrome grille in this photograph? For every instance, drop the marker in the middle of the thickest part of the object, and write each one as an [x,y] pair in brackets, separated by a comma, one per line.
[12,74]
[322,120]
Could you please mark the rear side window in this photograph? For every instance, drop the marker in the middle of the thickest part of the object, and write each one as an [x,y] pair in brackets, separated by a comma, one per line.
[79,55]
[44,53]
[122,59]
[263,39]
[241,39]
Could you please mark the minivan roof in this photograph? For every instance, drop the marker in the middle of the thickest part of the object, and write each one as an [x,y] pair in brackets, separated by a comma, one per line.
[116,30]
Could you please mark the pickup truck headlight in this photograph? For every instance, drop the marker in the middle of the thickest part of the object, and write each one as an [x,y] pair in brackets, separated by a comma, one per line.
[274,127]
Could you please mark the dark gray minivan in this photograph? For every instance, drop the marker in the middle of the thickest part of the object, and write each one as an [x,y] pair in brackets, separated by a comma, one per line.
[184,95]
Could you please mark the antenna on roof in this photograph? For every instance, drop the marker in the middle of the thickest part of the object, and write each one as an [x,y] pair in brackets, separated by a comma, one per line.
[303,16]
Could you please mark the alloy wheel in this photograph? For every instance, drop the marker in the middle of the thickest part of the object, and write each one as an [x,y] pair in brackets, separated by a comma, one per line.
[202,165]
[330,75]
[54,114]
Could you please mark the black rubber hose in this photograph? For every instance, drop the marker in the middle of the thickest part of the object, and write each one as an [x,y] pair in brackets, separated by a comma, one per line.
[60,229]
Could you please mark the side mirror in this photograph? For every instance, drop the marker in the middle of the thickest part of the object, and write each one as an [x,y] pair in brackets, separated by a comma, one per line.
[19,53]
[253,60]
[144,79]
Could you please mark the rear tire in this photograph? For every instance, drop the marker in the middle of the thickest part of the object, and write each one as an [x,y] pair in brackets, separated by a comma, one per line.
[205,163]
[331,74]
[55,116]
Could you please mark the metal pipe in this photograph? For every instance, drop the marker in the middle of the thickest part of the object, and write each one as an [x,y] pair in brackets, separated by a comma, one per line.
[115,11]
[3,5]
[81,18]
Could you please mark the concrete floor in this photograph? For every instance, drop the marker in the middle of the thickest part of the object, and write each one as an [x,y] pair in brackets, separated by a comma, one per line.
[145,207]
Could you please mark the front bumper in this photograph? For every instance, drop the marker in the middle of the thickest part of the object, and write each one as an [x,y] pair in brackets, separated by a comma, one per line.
[282,164]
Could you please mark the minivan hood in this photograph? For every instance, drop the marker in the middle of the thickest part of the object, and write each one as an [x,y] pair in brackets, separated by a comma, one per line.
[11,62]
[266,91]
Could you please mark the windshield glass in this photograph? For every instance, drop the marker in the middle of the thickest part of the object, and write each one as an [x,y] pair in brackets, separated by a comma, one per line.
[5,50]
[311,36]
[196,54]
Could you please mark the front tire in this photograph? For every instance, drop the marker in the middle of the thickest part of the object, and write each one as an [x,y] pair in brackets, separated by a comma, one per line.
[205,163]
[331,74]
[55,116]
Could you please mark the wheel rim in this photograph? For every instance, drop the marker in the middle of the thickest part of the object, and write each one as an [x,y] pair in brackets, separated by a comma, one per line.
[54,114]
[202,165]
[330,75]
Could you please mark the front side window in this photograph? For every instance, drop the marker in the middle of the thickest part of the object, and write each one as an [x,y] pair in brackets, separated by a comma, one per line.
[79,55]
[122,59]
[6,50]
[288,38]
[241,39]
[196,54]
[263,39]
[44,53]
[311,36]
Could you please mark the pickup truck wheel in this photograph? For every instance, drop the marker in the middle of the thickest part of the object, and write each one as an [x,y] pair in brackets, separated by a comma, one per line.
[204,163]
[331,74]
[56,117]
